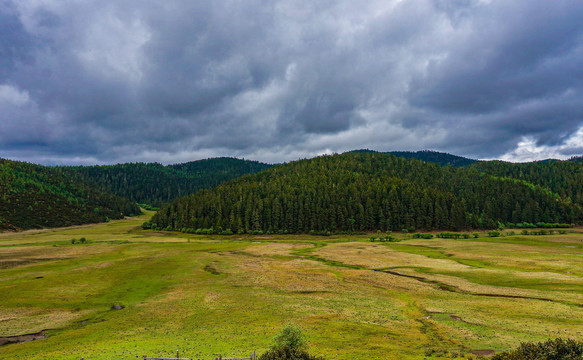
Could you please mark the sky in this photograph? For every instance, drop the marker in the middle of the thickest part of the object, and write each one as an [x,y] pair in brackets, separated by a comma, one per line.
[109,81]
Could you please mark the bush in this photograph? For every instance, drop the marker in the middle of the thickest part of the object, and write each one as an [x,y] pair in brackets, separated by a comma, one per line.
[291,336]
[493,233]
[422,236]
[543,225]
[449,235]
[389,238]
[557,349]
[289,344]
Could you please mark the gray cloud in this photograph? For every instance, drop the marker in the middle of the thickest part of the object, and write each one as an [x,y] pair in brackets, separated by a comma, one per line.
[109,81]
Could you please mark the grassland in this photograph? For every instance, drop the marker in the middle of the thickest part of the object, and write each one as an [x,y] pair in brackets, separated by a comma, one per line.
[204,295]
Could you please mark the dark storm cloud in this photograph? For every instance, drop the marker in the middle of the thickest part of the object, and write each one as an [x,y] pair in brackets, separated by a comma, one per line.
[109,81]
[15,42]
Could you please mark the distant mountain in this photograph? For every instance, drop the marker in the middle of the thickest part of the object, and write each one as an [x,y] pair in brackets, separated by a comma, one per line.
[437,157]
[35,196]
[365,191]
[156,184]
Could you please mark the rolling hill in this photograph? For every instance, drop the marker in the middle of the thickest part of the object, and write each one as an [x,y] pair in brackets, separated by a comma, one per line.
[432,156]
[35,196]
[365,191]
[155,184]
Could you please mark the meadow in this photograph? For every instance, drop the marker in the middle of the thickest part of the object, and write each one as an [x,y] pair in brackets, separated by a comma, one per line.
[125,292]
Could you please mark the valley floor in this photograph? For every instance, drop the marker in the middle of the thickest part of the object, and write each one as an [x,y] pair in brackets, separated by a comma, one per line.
[126,292]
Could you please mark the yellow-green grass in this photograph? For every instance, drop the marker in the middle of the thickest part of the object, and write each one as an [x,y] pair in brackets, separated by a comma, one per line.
[355,299]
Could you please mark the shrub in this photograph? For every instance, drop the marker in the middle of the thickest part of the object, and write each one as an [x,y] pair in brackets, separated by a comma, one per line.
[422,236]
[493,233]
[289,344]
[226,232]
[291,336]
[557,349]
[449,235]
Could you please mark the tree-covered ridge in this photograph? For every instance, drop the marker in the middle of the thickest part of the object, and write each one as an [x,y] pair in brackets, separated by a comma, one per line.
[440,158]
[362,191]
[156,184]
[35,196]
[565,178]
[437,157]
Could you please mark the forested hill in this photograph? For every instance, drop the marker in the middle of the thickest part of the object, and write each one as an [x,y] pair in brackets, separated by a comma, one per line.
[362,191]
[34,196]
[564,178]
[156,184]
[440,158]
[437,157]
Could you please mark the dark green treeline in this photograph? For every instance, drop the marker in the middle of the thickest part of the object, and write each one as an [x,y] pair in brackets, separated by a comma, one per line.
[365,191]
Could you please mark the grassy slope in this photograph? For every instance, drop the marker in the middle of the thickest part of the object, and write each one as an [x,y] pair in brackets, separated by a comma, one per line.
[175,299]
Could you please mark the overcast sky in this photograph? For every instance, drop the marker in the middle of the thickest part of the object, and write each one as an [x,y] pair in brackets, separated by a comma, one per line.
[108,81]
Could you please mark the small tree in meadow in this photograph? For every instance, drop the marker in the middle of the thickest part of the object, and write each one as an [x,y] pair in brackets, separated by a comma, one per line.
[291,336]
[290,344]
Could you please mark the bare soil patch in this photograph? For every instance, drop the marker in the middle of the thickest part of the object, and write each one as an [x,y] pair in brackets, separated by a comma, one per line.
[483,352]
[22,338]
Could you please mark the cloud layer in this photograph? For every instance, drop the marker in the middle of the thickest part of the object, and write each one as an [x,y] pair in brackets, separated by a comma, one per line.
[170,81]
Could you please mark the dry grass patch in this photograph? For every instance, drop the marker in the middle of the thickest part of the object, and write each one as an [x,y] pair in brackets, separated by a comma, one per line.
[276,249]
[18,321]
[373,256]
